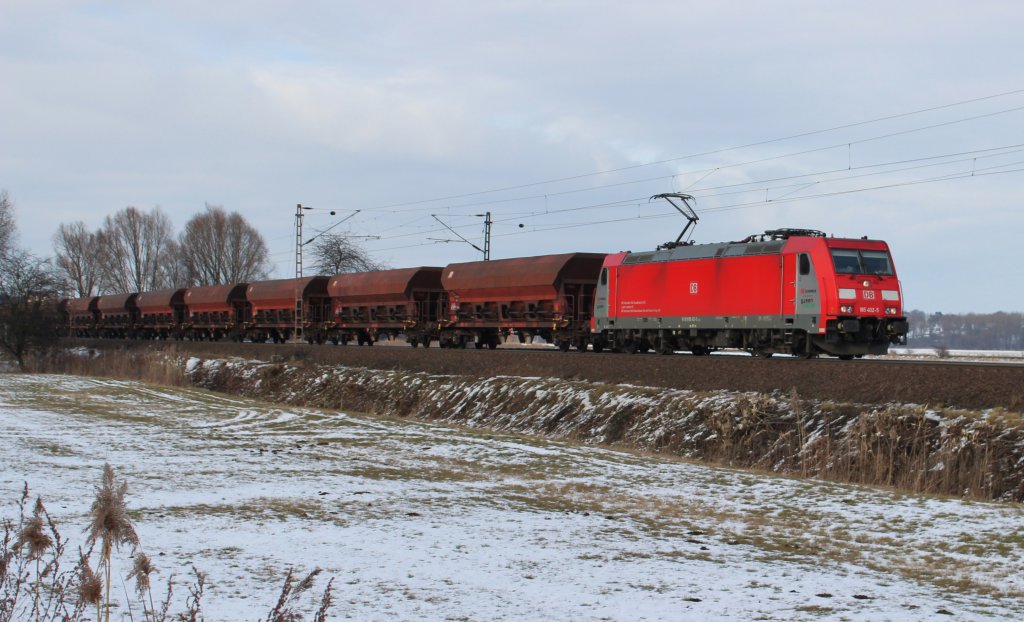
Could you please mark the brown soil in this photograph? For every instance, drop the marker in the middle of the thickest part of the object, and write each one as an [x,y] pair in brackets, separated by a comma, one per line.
[956,385]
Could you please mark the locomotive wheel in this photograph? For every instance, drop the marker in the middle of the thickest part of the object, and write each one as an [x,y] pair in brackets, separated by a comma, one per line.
[563,345]
[598,347]
[699,351]
[845,357]
[426,342]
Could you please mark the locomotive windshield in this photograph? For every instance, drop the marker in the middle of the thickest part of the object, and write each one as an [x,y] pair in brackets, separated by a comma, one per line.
[852,261]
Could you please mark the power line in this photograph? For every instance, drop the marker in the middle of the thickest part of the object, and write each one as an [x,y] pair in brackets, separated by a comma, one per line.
[988,171]
[734,148]
[707,171]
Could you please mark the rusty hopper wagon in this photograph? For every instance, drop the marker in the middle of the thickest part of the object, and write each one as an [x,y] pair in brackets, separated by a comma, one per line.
[118,316]
[287,307]
[161,313]
[216,311]
[82,316]
[550,296]
[368,305]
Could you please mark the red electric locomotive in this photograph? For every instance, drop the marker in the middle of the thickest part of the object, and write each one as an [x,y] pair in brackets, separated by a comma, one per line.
[787,291]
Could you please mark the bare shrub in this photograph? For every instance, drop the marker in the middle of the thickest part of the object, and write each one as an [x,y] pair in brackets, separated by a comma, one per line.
[35,587]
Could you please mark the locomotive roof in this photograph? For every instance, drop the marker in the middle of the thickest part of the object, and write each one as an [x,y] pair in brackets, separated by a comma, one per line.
[754,245]
[707,251]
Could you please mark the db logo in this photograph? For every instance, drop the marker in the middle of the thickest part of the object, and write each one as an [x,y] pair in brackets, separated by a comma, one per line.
[869,294]
[693,287]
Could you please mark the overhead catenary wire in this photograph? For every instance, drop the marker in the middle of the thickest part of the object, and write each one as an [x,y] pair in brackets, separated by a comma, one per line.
[705,192]
[738,147]
[737,206]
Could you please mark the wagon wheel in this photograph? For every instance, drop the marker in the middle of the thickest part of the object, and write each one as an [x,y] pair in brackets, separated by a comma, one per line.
[699,351]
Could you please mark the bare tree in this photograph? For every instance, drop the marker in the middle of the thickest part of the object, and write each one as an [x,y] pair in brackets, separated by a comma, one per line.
[77,260]
[28,304]
[134,249]
[6,222]
[334,253]
[28,301]
[217,247]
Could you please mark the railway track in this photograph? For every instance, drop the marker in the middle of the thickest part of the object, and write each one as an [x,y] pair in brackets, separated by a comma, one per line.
[937,384]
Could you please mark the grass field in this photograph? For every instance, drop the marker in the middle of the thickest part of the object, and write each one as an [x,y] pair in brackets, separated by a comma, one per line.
[419,521]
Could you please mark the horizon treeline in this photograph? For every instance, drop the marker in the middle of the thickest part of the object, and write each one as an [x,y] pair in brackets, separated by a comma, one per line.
[966,331]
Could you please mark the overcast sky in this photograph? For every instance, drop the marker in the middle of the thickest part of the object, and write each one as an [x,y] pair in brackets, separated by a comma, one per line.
[857,119]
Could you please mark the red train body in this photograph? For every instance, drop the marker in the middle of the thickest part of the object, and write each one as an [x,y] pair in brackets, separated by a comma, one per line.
[550,296]
[161,313]
[215,312]
[794,292]
[117,315]
[285,307]
[787,291]
[368,305]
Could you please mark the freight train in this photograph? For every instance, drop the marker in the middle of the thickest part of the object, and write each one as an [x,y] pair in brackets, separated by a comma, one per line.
[789,291]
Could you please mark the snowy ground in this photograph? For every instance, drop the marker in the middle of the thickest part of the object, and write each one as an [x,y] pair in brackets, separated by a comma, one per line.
[422,522]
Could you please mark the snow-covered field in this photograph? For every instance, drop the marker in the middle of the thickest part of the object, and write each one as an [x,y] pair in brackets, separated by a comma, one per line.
[979,356]
[423,522]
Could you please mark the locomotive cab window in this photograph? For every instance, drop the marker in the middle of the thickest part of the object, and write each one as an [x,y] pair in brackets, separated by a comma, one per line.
[604,276]
[805,264]
[851,261]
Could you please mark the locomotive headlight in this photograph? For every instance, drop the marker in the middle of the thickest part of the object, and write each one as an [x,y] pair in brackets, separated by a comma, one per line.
[846,308]
[890,310]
